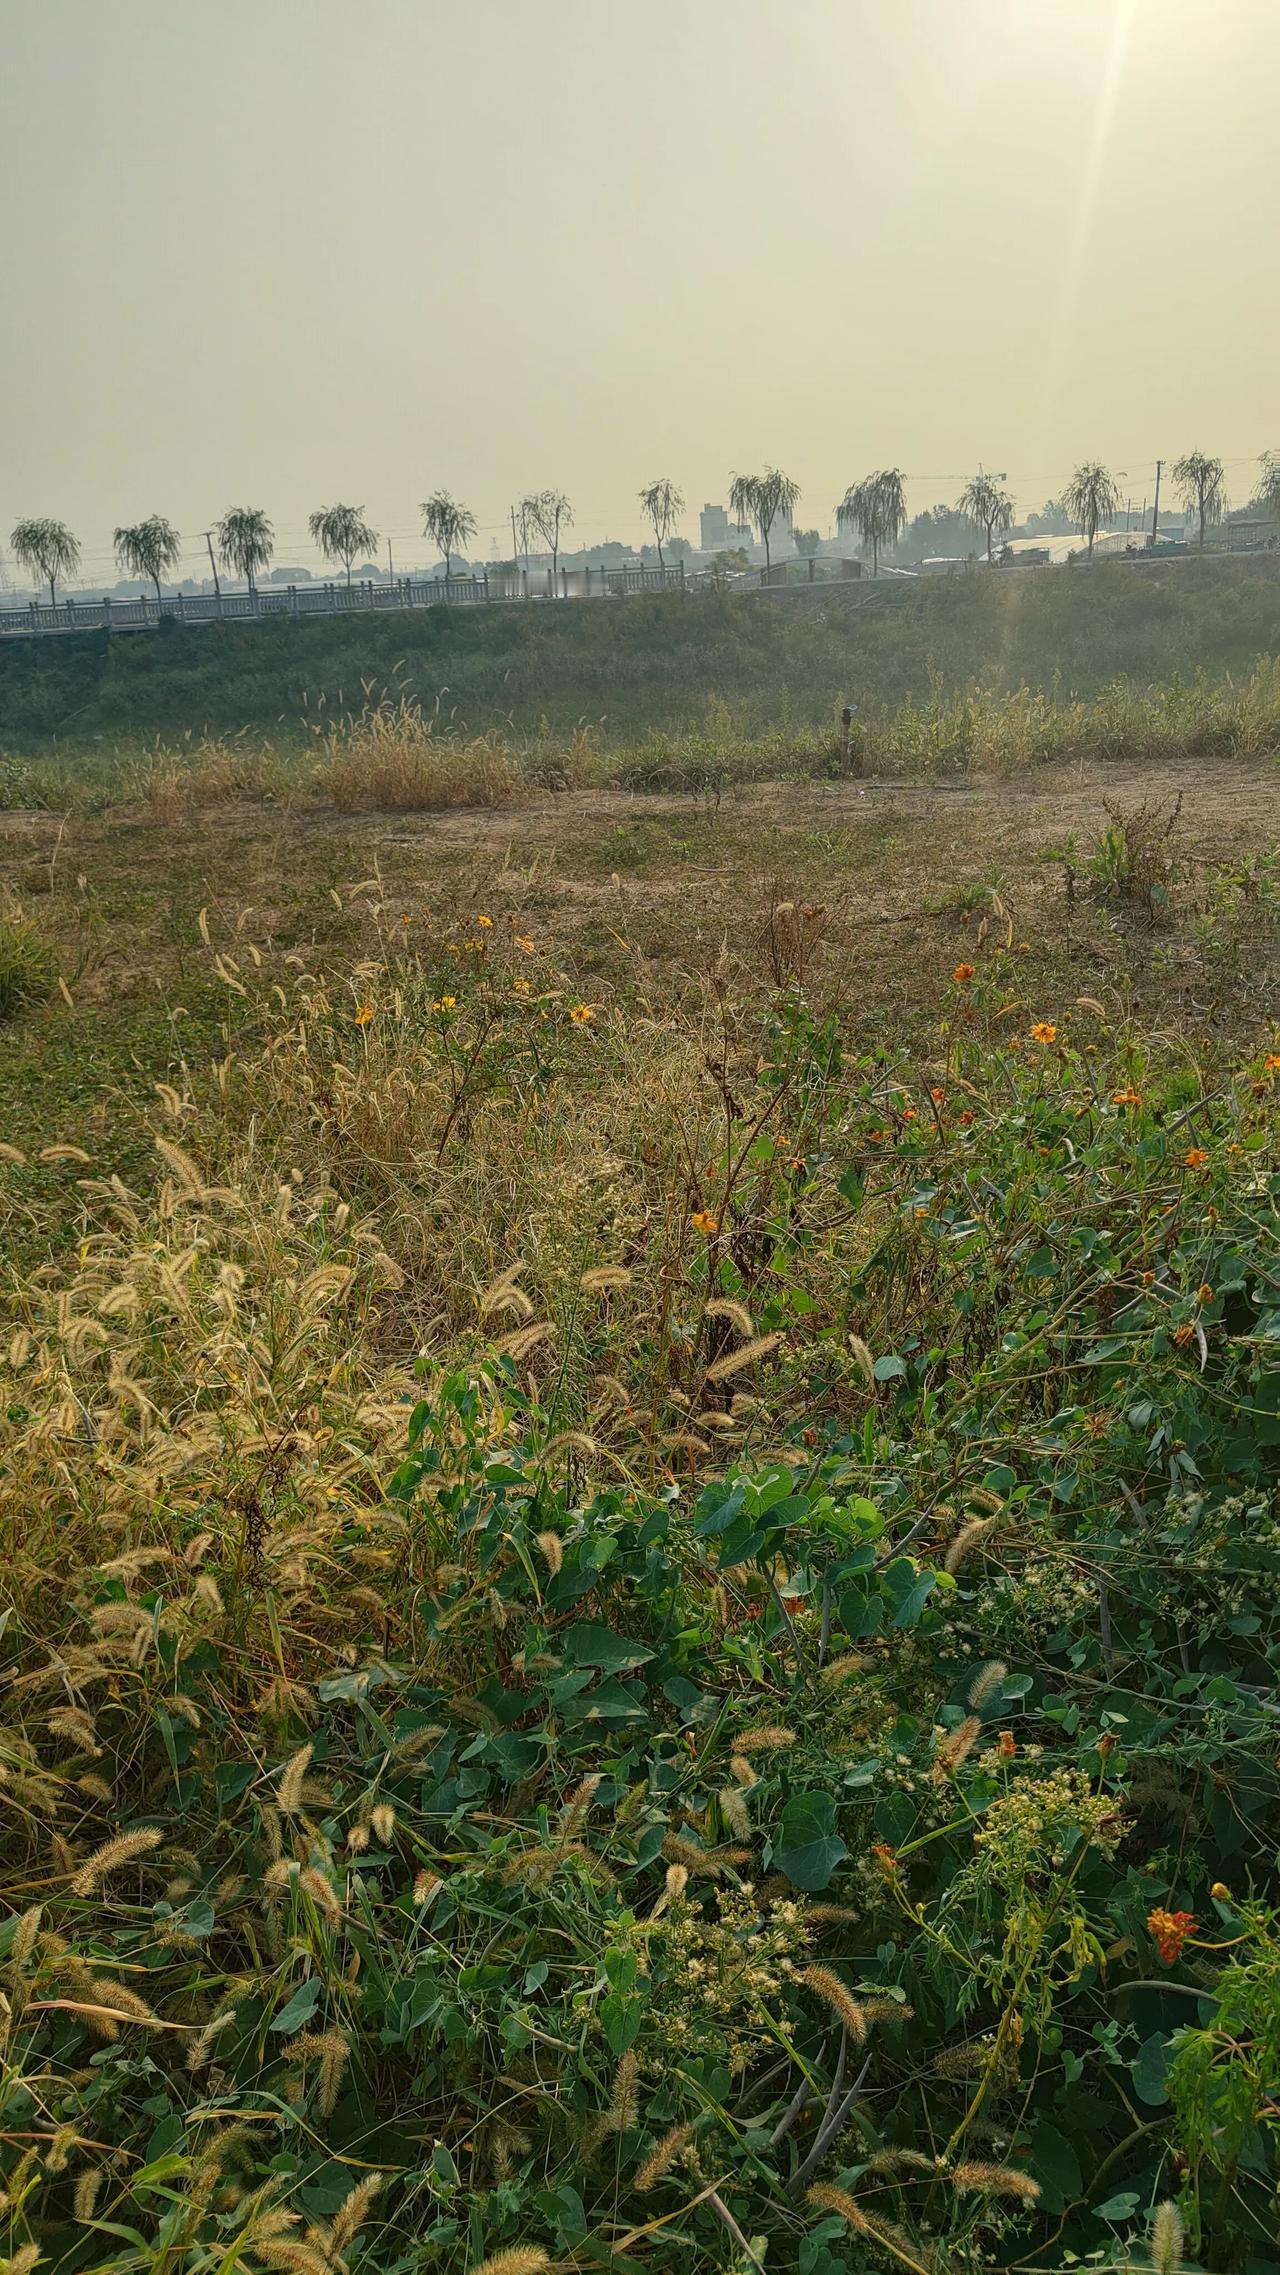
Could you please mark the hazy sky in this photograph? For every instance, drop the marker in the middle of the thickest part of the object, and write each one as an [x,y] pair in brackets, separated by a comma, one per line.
[279,252]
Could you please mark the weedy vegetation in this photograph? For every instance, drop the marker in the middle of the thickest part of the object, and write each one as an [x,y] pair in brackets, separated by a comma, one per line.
[642,1557]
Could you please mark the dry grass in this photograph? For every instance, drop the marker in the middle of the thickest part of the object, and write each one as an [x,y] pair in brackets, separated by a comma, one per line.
[390,759]
[172,784]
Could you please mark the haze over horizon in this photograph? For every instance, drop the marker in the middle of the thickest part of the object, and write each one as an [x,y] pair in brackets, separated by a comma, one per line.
[296,252]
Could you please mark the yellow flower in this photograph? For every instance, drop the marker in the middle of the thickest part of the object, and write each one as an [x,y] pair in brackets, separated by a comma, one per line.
[1221,1892]
[520,987]
[523,941]
[703,1221]
[364,1014]
[581,1013]
[486,921]
[1044,1031]
[445,1003]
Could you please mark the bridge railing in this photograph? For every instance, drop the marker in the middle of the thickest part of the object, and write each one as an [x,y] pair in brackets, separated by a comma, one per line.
[144,611]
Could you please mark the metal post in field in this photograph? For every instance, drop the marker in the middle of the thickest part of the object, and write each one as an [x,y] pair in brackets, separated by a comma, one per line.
[1155,510]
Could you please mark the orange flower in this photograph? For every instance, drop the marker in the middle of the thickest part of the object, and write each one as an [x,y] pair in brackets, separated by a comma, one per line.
[1182,1336]
[364,1014]
[875,1137]
[1044,1031]
[1195,1157]
[581,1013]
[1006,1745]
[703,1221]
[962,974]
[1127,1097]
[406,920]
[939,1097]
[886,1858]
[908,1113]
[1271,1063]
[1170,1930]
[1204,1293]
[1148,1279]
[967,1117]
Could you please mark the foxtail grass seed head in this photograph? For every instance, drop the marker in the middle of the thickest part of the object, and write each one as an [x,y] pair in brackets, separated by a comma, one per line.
[662,2156]
[840,1670]
[87,2190]
[770,1737]
[112,1857]
[735,1813]
[552,1551]
[966,1541]
[24,1936]
[350,2215]
[986,1683]
[745,1356]
[862,1353]
[292,1778]
[837,1995]
[995,2180]
[522,2259]
[958,1746]
[1167,2236]
[624,2099]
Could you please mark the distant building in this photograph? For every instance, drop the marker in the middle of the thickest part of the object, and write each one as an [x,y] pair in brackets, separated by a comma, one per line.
[716,531]
[290,577]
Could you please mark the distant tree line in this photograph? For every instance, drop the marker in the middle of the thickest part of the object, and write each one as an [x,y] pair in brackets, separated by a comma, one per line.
[873,507]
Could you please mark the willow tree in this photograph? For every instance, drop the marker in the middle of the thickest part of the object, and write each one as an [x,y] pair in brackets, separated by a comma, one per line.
[1268,493]
[246,542]
[548,512]
[1202,482]
[662,505]
[986,505]
[48,550]
[447,524]
[877,508]
[761,498]
[150,548]
[341,532]
[1090,498]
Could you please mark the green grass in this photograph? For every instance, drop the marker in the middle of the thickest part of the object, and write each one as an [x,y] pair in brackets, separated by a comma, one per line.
[676,665]
[575,1585]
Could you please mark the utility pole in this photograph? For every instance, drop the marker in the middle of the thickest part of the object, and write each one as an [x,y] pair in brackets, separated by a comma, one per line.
[391,567]
[217,589]
[1155,510]
[515,550]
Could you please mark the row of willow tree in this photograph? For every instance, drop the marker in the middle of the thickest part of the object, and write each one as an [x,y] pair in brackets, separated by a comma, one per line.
[875,508]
